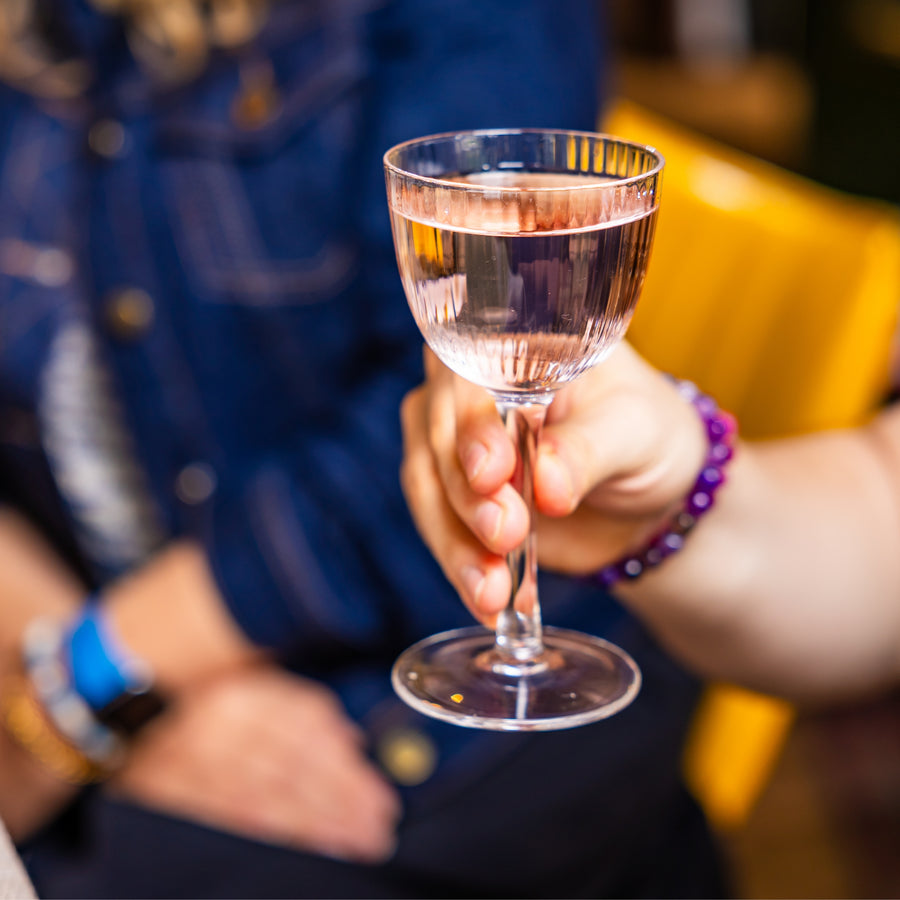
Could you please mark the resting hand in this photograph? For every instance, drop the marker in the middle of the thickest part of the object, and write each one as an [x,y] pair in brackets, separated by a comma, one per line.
[619,451]
[269,756]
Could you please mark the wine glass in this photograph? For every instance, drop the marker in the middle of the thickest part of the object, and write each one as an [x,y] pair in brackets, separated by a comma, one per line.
[522,254]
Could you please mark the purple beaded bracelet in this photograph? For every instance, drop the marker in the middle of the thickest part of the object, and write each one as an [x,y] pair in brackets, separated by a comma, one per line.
[721,430]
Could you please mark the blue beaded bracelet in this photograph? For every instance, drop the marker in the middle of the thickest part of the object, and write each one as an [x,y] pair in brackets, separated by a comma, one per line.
[721,430]
[44,657]
[117,686]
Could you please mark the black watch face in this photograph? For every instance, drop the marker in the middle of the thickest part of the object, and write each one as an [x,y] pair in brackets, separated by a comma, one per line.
[128,712]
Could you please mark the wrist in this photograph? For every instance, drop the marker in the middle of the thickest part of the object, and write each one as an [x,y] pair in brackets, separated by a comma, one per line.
[117,686]
[46,720]
[720,431]
[79,697]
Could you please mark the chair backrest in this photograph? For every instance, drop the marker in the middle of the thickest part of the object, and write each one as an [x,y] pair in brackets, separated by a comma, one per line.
[779,297]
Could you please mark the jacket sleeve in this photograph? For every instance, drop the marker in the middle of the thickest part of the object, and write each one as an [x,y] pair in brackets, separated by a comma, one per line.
[316,546]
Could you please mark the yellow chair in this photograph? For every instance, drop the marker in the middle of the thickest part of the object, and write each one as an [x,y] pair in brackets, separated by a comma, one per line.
[780,298]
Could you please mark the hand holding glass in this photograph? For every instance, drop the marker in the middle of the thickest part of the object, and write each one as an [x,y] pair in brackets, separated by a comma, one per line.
[522,254]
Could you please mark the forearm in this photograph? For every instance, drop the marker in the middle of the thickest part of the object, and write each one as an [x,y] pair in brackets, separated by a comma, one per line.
[170,614]
[791,583]
[169,611]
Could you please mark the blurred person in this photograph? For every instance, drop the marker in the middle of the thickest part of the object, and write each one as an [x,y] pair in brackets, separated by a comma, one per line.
[785,576]
[207,566]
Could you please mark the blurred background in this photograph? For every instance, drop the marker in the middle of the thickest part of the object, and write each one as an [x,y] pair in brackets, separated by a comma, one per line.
[812,86]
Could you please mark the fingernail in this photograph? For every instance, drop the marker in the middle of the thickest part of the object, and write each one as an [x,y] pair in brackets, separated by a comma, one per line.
[472,579]
[488,519]
[473,459]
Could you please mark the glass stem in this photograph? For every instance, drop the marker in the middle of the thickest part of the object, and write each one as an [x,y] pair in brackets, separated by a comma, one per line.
[519,624]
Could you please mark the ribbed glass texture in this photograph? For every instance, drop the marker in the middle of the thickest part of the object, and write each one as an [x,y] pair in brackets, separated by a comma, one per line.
[522,253]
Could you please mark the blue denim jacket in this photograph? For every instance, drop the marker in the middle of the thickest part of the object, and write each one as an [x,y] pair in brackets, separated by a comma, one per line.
[274,342]
[280,342]
[235,290]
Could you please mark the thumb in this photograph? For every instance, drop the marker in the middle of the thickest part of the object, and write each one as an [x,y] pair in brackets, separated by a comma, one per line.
[622,438]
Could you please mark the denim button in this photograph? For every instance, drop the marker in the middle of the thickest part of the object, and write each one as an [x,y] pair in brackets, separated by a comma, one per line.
[258,100]
[408,755]
[108,138]
[195,483]
[129,313]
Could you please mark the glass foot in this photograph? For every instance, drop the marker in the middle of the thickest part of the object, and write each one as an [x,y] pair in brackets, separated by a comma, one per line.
[459,677]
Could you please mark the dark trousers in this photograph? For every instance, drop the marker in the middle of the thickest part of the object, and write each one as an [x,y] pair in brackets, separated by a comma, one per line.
[516,833]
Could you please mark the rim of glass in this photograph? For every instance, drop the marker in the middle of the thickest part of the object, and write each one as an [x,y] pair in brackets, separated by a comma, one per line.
[611,182]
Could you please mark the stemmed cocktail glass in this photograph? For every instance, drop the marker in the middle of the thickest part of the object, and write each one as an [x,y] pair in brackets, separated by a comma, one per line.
[522,254]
